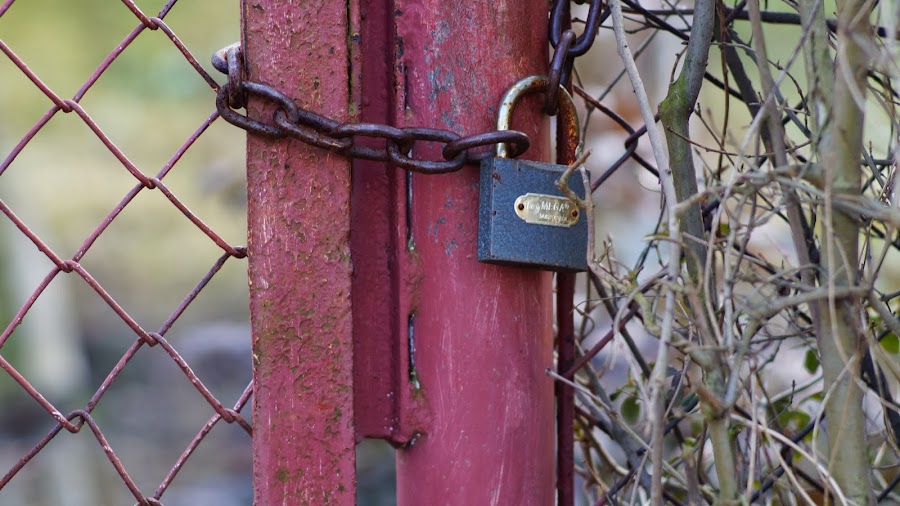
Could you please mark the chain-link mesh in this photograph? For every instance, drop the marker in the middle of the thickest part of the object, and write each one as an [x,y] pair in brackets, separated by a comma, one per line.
[132,280]
[130,391]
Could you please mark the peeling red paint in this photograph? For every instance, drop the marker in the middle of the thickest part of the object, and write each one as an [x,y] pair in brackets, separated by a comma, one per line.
[299,269]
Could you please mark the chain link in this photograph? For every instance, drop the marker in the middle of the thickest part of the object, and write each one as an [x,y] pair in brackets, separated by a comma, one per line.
[560,72]
[560,22]
[568,45]
[347,138]
[351,139]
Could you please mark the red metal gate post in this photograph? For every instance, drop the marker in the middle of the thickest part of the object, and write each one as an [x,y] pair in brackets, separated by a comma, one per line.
[481,334]
[303,441]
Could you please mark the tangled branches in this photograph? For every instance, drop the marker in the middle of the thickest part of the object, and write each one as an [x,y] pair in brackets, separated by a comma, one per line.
[764,287]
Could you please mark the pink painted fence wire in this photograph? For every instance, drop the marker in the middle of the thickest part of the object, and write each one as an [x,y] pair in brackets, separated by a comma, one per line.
[74,421]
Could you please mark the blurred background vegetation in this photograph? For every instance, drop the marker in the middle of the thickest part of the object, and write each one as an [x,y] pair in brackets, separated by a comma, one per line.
[65,182]
[63,185]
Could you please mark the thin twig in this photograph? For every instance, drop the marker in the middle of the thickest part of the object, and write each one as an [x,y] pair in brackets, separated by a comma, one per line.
[658,377]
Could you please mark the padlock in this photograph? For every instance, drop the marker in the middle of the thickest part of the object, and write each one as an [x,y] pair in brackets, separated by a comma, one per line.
[524,219]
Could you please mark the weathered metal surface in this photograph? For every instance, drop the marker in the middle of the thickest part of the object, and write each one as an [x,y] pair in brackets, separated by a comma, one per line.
[482,333]
[299,214]
[512,191]
[567,144]
[384,271]
[565,395]
[525,220]
[353,139]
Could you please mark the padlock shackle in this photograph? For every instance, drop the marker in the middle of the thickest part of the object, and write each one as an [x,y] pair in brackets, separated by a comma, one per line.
[527,86]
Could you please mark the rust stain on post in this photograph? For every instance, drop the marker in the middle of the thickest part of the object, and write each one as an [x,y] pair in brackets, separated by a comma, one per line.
[300,262]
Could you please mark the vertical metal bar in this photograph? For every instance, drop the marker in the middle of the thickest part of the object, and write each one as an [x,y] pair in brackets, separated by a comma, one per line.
[482,334]
[566,148]
[299,215]
[566,153]
[384,274]
[565,396]
[374,223]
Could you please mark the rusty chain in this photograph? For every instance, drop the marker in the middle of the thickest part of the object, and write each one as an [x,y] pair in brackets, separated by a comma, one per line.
[568,45]
[559,22]
[344,138]
[287,120]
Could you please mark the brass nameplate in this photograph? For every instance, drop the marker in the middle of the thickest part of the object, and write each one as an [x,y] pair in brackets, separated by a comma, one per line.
[540,209]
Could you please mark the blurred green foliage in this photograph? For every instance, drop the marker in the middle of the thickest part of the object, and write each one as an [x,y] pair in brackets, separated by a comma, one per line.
[65,181]
[63,185]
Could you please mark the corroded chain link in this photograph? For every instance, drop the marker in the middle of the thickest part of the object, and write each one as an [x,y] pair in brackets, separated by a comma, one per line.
[568,45]
[559,24]
[351,139]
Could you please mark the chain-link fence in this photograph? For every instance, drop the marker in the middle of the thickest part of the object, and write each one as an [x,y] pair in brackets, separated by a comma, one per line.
[124,308]
[738,276]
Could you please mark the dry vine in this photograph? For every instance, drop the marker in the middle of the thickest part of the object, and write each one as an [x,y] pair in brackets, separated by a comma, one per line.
[802,145]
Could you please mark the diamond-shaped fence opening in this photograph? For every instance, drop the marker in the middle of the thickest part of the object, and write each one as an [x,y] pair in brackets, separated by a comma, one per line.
[124,335]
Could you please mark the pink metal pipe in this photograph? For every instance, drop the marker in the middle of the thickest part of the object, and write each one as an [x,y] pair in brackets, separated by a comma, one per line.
[299,262]
[482,334]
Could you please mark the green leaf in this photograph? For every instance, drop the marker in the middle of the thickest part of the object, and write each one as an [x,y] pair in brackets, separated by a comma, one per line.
[789,418]
[688,399]
[631,409]
[800,418]
[811,361]
[891,343]
[781,406]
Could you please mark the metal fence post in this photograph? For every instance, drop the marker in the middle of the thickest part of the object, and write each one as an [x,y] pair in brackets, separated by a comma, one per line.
[299,214]
[481,335]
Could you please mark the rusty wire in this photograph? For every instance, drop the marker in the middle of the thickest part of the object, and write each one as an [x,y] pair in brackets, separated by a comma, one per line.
[289,119]
[74,421]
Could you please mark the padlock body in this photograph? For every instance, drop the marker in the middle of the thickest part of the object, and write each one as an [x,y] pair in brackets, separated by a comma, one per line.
[526,221]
